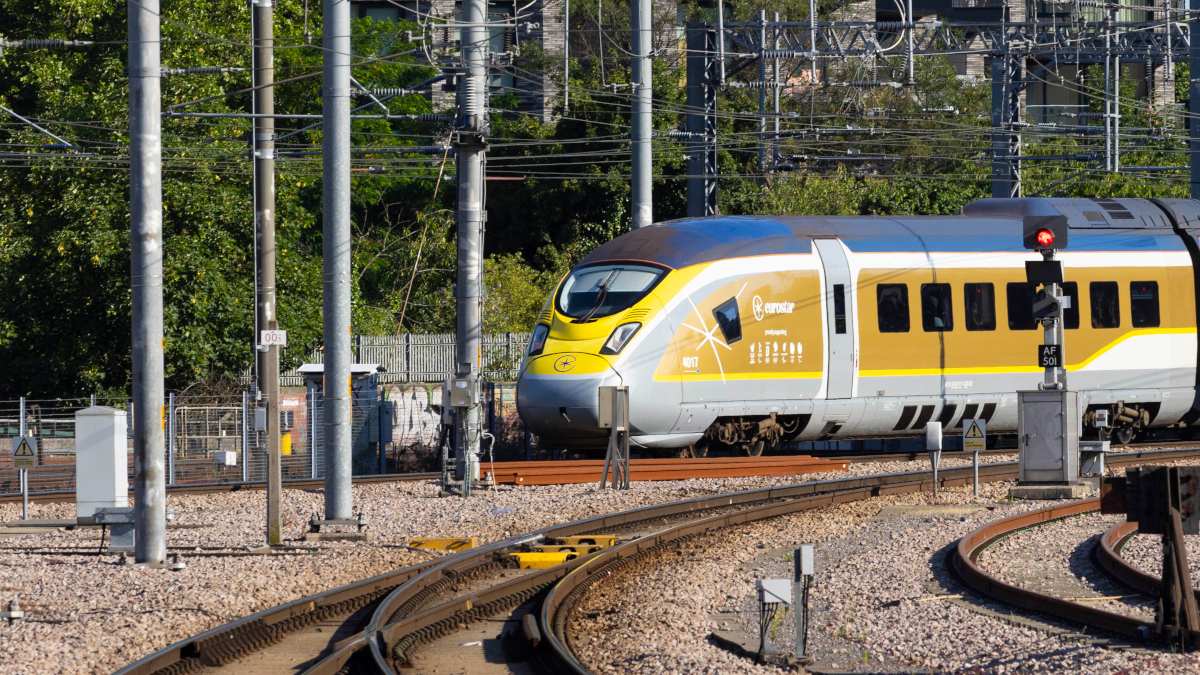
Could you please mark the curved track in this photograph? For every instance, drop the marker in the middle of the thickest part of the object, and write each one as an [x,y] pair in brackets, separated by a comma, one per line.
[389,618]
[1106,556]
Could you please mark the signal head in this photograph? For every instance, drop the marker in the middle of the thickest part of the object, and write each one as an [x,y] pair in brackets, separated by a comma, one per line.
[1045,232]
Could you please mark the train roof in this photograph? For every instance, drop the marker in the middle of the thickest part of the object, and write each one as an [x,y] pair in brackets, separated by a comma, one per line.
[986,225]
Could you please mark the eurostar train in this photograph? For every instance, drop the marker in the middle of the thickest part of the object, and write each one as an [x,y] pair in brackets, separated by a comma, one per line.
[744,332]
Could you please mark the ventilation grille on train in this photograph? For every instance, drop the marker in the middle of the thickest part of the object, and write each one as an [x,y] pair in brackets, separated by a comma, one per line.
[947,415]
[545,316]
[968,414]
[1114,209]
[923,419]
[636,314]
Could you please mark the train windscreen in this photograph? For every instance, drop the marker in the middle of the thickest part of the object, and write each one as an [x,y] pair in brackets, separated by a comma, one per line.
[602,290]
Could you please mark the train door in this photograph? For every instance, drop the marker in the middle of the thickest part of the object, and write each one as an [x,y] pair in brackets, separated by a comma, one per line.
[839,318]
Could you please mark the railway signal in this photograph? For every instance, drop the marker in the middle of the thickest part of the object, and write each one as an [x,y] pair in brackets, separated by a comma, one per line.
[1048,419]
[1043,233]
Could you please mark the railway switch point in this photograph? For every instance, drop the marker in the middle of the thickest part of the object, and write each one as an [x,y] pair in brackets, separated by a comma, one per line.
[315,523]
[445,543]
[602,540]
[540,561]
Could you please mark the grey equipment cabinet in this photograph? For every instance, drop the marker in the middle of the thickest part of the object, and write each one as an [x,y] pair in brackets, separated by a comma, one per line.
[1048,436]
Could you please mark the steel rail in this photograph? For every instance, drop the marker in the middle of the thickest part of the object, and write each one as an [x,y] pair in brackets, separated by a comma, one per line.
[969,548]
[561,599]
[63,496]
[388,625]
[1108,558]
[386,630]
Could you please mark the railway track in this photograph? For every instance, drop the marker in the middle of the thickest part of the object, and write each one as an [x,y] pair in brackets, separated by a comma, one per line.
[377,625]
[1106,556]
[62,496]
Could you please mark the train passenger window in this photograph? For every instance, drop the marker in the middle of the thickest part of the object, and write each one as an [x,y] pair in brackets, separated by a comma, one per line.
[980,306]
[893,307]
[937,314]
[1070,289]
[729,320]
[1143,303]
[1106,306]
[839,309]
[1020,306]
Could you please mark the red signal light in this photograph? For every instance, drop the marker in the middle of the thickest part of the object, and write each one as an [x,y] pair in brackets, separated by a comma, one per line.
[1045,238]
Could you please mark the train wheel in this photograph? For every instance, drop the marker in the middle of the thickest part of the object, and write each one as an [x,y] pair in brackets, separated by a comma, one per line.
[684,453]
[1124,435]
[700,449]
[754,448]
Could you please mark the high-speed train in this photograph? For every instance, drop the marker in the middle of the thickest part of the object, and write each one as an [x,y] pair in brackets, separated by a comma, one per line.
[744,332]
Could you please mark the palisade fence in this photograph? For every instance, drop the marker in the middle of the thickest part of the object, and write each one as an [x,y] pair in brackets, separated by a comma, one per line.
[423,357]
[205,433]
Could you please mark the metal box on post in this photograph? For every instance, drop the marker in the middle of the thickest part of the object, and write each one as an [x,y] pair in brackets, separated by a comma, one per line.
[101,458]
[1048,436]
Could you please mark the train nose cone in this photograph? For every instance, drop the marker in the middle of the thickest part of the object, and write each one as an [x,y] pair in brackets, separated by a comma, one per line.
[558,398]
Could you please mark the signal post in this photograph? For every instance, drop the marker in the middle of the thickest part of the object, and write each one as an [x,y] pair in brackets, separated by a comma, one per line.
[1048,420]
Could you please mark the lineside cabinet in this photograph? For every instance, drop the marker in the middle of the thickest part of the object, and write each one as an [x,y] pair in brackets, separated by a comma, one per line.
[1048,436]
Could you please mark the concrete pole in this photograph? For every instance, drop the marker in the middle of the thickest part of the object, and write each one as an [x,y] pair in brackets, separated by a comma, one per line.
[145,248]
[643,151]
[471,146]
[264,219]
[336,214]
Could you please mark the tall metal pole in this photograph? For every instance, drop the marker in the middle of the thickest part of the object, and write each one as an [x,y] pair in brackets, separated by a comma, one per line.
[471,145]
[1108,158]
[911,19]
[1116,143]
[775,78]
[567,57]
[1194,105]
[23,474]
[145,249]
[264,220]
[762,93]
[335,148]
[640,37]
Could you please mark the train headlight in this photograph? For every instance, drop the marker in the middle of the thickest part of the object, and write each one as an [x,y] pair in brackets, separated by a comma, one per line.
[619,338]
[538,343]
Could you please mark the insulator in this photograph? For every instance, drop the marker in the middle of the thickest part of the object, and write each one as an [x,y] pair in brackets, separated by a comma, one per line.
[475,96]
[203,70]
[45,43]
[384,91]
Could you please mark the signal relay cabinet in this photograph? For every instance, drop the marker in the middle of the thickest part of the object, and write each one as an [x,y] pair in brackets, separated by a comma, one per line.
[1048,436]
[371,417]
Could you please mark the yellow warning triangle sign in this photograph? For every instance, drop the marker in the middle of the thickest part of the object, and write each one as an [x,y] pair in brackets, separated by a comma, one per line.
[974,431]
[23,450]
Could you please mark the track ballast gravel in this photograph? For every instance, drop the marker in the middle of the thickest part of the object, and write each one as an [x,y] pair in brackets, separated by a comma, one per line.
[88,614]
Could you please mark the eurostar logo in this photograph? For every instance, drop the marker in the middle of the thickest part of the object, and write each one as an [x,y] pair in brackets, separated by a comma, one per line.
[564,363]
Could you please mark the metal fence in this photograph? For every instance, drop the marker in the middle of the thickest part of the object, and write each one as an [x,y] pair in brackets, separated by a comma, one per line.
[203,432]
[427,357]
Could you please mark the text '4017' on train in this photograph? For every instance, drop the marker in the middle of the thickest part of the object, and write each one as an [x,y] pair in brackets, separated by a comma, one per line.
[744,332]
